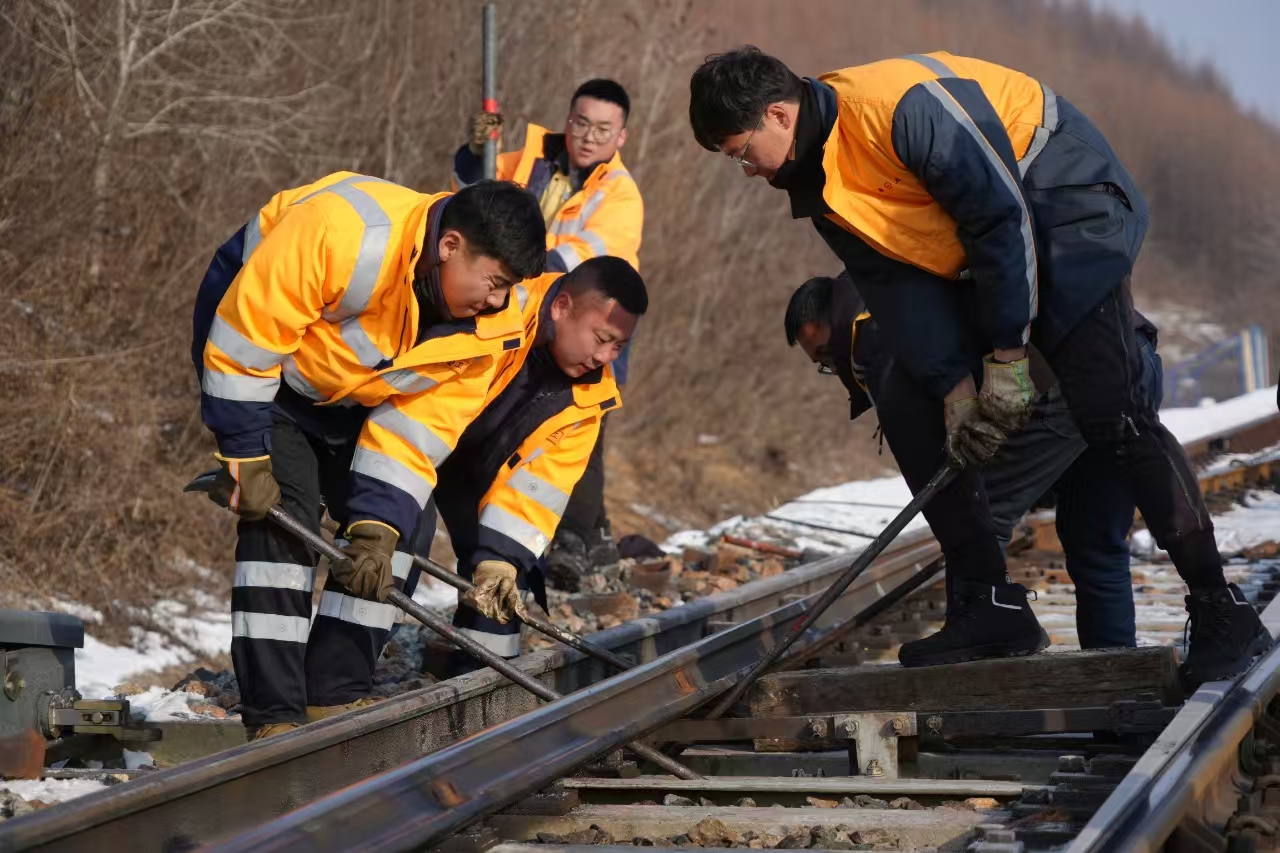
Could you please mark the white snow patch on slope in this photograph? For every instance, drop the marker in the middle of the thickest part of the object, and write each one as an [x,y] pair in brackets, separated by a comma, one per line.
[1257,521]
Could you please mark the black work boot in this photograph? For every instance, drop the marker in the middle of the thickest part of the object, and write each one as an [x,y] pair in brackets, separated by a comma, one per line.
[1226,635]
[983,621]
[568,561]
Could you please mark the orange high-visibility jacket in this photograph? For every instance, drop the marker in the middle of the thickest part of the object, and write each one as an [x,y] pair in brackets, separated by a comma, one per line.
[324,301]
[521,508]
[605,217]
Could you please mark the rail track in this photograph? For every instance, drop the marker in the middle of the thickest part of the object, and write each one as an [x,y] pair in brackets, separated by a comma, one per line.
[417,771]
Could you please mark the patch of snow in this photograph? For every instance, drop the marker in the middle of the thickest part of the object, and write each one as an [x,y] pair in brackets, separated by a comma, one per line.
[74,608]
[1245,526]
[134,759]
[682,539]
[51,790]
[156,703]
[1193,424]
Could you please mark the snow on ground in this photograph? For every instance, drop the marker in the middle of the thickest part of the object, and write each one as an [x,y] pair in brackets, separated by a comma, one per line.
[1193,424]
[51,790]
[1257,521]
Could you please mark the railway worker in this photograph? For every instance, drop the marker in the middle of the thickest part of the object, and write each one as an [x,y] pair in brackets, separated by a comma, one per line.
[592,207]
[827,318]
[979,211]
[503,491]
[344,338]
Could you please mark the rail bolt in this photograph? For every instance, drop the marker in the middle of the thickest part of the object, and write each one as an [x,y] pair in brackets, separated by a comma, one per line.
[934,723]
[14,684]
[818,726]
[874,768]
[897,725]
[850,727]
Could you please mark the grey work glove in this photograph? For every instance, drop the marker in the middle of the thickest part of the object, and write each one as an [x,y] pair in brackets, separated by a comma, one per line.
[246,487]
[367,569]
[1007,394]
[482,127]
[971,440]
[495,594]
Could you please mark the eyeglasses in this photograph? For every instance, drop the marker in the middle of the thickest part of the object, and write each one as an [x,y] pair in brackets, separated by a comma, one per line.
[741,159]
[599,134]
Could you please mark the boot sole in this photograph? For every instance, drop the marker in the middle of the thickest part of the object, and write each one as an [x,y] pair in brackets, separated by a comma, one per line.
[1016,649]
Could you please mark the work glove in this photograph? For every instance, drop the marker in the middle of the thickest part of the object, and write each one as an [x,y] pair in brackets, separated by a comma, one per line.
[495,594]
[1006,395]
[971,440]
[246,487]
[367,569]
[482,127]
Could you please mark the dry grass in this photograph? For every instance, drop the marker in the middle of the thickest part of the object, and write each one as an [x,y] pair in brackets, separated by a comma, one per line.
[125,160]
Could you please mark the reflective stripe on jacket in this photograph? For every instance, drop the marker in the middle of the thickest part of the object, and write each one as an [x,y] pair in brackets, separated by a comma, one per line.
[605,217]
[324,300]
[923,164]
[521,509]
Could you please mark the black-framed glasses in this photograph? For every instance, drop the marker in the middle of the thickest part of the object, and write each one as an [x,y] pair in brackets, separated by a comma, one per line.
[599,134]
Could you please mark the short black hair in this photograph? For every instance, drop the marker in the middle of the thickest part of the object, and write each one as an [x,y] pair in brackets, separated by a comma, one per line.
[811,303]
[500,220]
[605,90]
[729,93]
[613,278]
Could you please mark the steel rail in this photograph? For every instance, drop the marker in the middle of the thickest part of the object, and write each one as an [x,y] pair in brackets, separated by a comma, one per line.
[426,800]
[1181,774]
[246,786]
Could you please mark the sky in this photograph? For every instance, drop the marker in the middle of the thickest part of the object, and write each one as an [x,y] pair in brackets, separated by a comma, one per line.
[1236,36]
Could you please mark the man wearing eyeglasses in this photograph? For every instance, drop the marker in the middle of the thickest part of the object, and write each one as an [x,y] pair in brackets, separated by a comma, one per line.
[592,207]
[979,211]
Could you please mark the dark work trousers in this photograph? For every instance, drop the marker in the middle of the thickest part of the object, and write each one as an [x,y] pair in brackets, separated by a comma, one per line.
[959,515]
[1094,507]
[584,514]
[1099,365]
[282,661]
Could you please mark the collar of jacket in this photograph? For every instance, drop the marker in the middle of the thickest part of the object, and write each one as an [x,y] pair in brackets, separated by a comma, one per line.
[803,177]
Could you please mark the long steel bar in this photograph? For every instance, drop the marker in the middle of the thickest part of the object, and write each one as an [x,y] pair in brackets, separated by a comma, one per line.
[491,86]
[463,641]
[940,481]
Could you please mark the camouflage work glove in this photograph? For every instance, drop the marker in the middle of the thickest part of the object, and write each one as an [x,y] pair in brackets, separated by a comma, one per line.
[496,595]
[1006,395]
[367,569]
[246,487]
[971,440]
[482,127]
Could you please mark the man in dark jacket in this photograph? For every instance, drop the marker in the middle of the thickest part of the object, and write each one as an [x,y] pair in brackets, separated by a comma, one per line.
[827,319]
[978,211]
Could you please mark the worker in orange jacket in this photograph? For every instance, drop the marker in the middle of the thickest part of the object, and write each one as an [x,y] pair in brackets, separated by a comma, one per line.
[344,338]
[503,491]
[592,208]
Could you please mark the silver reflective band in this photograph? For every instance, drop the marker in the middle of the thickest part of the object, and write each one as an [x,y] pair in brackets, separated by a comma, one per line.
[294,379]
[539,490]
[408,381]
[240,348]
[594,240]
[416,434]
[504,645]
[937,66]
[568,256]
[270,626]
[252,237]
[1041,136]
[354,335]
[242,389]
[499,520]
[401,563]
[579,222]
[373,244]
[357,611]
[522,296]
[384,468]
[1028,241]
[251,573]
